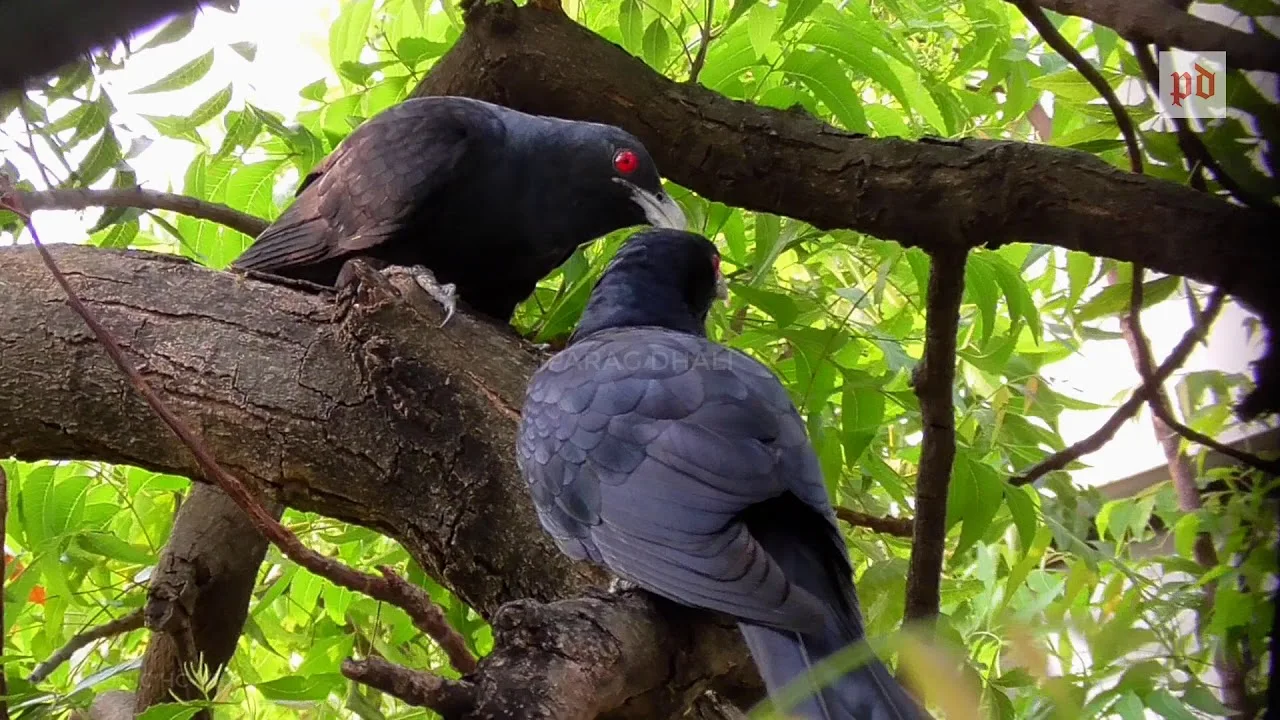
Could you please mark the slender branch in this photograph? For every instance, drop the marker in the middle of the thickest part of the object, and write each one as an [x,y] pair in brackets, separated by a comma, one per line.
[1157,400]
[414,687]
[137,197]
[902,527]
[390,587]
[934,379]
[1196,152]
[1054,39]
[695,68]
[119,626]
[4,575]
[1129,407]
[1147,21]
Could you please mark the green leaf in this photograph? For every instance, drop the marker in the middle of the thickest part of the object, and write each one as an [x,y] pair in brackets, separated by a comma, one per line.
[184,76]
[1068,85]
[761,24]
[349,32]
[1185,532]
[1168,706]
[177,29]
[1080,268]
[1114,299]
[631,24]
[117,236]
[796,10]
[174,126]
[861,414]
[982,290]
[737,10]
[211,108]
[657,45]
[414,50]
[777,305]
[316,90]
[109,546]
[246,50]
[858,56]
[100,158]
[1200,698]
[1016,293]
[976,490]
[170,711]
[292,688]
[1023,510]
[249,188]
[823,76]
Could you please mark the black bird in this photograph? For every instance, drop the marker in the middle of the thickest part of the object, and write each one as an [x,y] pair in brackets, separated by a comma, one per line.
[489,199]
[683,467]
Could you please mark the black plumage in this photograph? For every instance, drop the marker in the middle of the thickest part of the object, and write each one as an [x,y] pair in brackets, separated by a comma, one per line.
[488,198]
[683,466]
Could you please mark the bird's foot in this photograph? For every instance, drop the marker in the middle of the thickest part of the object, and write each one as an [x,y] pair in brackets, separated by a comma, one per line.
[618,585]
[446,294]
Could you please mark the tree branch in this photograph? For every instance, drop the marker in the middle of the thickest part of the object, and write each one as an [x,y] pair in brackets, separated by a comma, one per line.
[1100,437]
[137,197]
[1031,10]
[1156,21]
[119,626]
[958,194]
[50,33]
[390,587]
[901,527]
[934,380]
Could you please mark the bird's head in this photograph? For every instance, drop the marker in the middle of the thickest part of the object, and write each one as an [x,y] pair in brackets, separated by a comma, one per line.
[659,277]
[624,186]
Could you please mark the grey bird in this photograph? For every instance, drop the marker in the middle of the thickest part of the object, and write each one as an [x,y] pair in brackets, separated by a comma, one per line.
[490,200]
[683,467]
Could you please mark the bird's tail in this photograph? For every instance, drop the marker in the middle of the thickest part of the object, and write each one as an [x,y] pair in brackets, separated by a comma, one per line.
[868,692]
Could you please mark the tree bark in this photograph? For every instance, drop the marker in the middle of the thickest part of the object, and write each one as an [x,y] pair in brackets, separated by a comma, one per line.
[933,194]
[360,409]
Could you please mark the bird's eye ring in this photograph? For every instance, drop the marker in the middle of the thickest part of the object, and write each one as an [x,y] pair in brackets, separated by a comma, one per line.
[625,162]
[715,263]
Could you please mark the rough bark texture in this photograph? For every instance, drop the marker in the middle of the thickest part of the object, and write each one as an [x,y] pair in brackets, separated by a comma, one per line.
[199,594]
[360,409]
[931,193]
[1156,21]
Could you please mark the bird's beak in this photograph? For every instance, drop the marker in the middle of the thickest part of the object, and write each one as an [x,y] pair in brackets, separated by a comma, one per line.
[659,209]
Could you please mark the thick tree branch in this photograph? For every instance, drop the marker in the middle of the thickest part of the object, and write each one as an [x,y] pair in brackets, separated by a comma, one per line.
[390,587]
[934,381]
[1156,21]
[119,626]
[932,194]
[137,197]
[362,410]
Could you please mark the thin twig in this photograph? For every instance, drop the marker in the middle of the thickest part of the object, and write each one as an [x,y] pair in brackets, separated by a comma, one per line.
[1157,400]
[1129,407]
[901,527]
[389,587]
[136,197]
[119,626]
[695,68]
[1197,153]
[1054,39]
[415,687]
[4,575]
[934,379]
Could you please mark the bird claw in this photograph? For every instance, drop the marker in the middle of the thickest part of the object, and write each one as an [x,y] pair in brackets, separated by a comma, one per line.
[446,294]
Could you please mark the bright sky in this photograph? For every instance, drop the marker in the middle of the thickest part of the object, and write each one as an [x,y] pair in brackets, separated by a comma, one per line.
[292,50]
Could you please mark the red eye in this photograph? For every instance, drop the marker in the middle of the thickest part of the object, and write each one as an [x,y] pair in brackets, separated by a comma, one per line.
[715,263]
[625,162]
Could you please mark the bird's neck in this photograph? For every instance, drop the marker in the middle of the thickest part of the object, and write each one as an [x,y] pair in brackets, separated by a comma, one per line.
[617,303]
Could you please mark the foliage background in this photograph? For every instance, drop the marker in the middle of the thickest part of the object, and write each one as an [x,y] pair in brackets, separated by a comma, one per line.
[1039,581]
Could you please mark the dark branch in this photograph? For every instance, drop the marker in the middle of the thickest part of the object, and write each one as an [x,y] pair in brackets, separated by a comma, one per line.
[1129,407]
[47,34]
[119,626]
[414,687]
[1157,21]
[390,587]
[1053,38]
[902,527]
[934,380]
[136,197]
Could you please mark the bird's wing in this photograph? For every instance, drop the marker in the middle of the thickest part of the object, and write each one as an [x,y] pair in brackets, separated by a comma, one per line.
[642,448]
[367,188]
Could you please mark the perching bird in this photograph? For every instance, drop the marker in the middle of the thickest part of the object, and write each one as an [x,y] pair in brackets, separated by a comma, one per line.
[683,467]
[489,199]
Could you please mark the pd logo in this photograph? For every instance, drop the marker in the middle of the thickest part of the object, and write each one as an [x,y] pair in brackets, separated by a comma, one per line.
[1193,85]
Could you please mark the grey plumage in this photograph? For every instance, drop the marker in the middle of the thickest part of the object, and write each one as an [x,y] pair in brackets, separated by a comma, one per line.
[684,467]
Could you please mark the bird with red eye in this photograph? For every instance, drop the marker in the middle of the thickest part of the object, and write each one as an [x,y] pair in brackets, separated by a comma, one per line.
[625,162]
